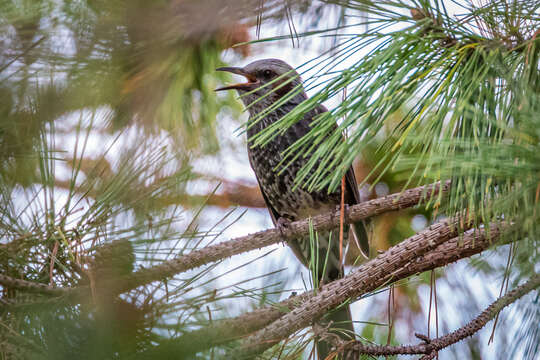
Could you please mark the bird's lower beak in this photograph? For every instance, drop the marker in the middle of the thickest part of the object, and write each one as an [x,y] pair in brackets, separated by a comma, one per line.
[251,83]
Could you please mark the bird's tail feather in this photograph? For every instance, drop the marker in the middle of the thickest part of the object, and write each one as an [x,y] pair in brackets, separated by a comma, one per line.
[321,254]
[339,321]
[359,232]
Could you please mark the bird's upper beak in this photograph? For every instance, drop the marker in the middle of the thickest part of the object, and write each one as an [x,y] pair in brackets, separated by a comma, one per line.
[251,83]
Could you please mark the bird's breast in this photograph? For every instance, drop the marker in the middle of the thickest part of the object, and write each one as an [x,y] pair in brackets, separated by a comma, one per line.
[278,185]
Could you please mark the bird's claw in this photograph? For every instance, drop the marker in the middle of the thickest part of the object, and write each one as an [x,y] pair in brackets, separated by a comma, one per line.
[283,225]
[345,211]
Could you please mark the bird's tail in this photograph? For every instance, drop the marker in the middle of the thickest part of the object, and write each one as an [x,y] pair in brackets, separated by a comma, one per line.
[338,322]
[321,254]
[359,234]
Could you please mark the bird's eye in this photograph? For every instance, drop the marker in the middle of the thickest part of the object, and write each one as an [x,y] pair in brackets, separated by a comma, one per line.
[267,74]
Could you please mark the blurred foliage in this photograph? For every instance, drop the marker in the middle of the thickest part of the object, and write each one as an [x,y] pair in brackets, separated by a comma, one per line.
[138,62]
[104,106]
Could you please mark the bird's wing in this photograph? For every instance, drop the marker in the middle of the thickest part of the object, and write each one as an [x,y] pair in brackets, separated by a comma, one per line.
[295,245]
[273,213]
[352,197]
[358,229]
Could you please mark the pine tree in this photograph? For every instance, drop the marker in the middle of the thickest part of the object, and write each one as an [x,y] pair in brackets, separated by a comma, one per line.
[108,107]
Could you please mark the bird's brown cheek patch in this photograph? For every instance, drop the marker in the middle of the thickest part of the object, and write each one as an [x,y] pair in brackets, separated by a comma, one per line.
[282,89]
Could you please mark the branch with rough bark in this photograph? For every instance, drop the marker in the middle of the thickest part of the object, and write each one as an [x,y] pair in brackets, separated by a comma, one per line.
[394,261]
[209,254]
[430,347]
[470,243]
[30,286]
[194,259]
[434,247]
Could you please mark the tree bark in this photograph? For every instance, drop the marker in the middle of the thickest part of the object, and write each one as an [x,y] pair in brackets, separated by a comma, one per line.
[352,350]
[366,278]
[219,332]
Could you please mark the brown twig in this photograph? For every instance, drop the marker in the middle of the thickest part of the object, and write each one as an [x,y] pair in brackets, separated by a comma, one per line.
[430,302]
[429,347]
[436,309]
[391,308]
[341,218]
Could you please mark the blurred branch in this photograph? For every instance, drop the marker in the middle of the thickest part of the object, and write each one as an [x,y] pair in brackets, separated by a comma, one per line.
[352,350]
[233,194]
[470,243]
[30,286]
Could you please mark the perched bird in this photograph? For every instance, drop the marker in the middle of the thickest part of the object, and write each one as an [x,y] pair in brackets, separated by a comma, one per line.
[268,81]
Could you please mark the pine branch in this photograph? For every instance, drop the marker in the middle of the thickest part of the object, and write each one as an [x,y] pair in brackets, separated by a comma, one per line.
[471,243]
[197,258]
[429,348]
[194,259]
[30,286]
[397,259]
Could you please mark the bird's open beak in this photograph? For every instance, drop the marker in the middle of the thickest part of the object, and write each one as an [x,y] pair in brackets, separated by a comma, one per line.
[251,83]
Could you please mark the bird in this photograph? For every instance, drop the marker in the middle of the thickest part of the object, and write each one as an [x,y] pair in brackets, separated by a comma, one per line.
[269,81]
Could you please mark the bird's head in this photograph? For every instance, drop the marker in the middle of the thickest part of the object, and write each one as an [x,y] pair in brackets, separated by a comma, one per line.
[268,80]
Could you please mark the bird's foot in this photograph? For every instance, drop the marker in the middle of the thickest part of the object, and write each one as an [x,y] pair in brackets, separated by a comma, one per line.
[322,333]
[345,211]
[284,226]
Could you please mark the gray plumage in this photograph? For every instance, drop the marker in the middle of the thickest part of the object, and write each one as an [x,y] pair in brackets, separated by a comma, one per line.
[277,186]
